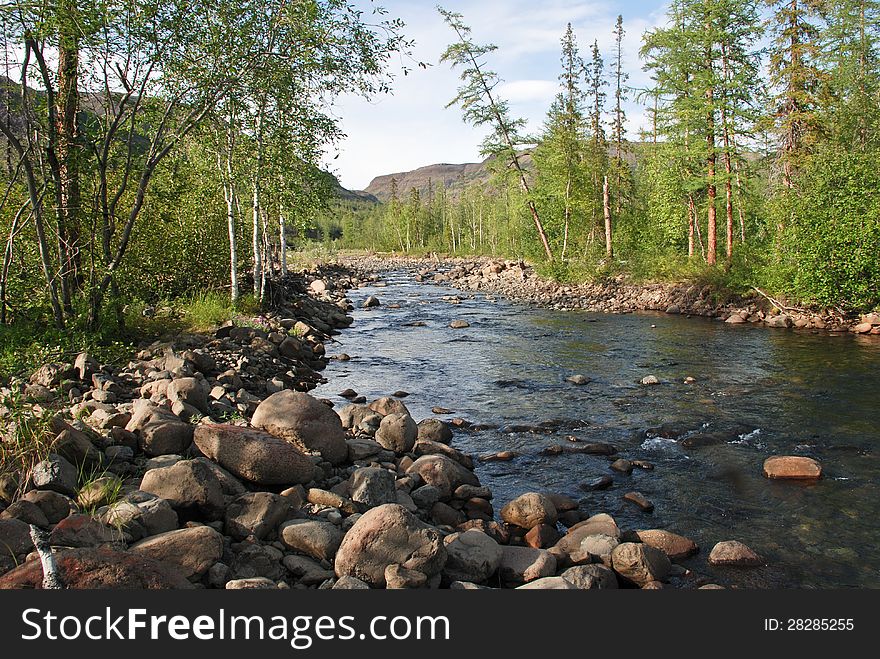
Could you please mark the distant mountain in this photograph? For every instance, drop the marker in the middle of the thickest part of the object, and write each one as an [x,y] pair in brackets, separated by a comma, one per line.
[454,178]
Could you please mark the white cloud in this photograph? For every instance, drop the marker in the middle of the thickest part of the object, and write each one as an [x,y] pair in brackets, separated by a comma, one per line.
[529,91]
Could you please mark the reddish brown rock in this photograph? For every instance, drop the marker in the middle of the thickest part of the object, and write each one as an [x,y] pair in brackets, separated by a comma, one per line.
[542,536]
[677,547]
[792,468]
[735,554]
[98,569]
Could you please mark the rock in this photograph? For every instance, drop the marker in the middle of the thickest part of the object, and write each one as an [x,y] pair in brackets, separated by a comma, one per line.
[650,380]
[792,468]
[190,487]
[435,430]
[318,286]
[735,554]
[397,433]
[640,564]
[388,405]
[548,583]
[389,535]
[191,391]
[591,577]
[444,474]
[255,456]
[675,546]
[472,556]
[578,380]
[459,324]
[426,496]
[159,432]
[373,486]
[51,375]
[354,415]
[445,515]
[193,550]
[304,421]
[8,488]
[736,319]
[15,537]
[562,503]
[622,466]
[255,560]
[141,515]
[99,492]
[231,486]
[426,447]
[85,366]
[254,583]
[783,321]
[542,536]
[76,447]
[27,512]
[307,571]
[673,310]
[55,474]
[600,483]
[99,569]
[639,500]
[521,565]
[350,583]
[398,577]
[862,328]
[502,456]
[371,302]
[255,514]
[320,497]
[597,524]
[83,531]
[314,538]
[594,548]
[530,510]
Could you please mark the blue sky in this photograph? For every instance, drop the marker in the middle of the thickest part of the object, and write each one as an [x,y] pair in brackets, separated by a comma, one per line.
[411,128]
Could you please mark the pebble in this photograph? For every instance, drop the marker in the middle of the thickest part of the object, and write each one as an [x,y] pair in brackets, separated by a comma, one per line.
[639,499]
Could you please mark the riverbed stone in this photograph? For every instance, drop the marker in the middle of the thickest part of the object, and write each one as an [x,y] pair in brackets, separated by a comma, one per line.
[639,499]
[530,510]
[254,455]
[15,537]
[792,468]
[83,531]
[435,430]
[472,556]
[255,514]
[591,577]
[639,563]
[397,433]
[388,535]
[158,430]
[190,391]
[734,554]
[521,565]
[348,582]
[389,405]
[548,583]
[55,474]
[305,422]
[373,486]
[427,447]
[193,550]
[398,577]
[190,487]
[141,515]
[542,536]
[675,546]
[353,415]
[444,474]
[27,512]
[314,538]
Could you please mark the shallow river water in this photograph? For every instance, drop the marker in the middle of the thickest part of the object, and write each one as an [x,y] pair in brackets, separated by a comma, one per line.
[758,392]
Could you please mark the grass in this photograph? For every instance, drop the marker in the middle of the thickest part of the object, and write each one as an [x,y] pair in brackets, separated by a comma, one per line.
[27,438]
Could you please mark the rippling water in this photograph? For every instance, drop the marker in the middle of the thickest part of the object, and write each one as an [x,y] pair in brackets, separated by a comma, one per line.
[760,392]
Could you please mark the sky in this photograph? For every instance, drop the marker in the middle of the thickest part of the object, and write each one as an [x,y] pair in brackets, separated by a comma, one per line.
[411,127]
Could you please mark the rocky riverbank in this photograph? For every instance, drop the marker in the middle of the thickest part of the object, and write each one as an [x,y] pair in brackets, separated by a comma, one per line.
[204,463]
[518,281]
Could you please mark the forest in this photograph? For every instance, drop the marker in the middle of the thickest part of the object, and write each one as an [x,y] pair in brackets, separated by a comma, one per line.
[166,152]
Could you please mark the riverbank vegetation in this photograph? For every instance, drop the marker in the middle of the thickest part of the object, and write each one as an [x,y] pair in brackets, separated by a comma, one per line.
[759,167]
[158,157]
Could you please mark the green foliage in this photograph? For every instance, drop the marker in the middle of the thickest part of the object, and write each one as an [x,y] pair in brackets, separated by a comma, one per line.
[27,437]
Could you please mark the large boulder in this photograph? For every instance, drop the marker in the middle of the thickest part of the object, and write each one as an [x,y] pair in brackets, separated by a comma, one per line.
[530,510]
[54,506]
[190,487]
[389,535]
[312,537]
[397,433]
[254,455]
[15,537]
[97,569]
[256,514]
[304,421]
[56,475]
[373,486]
[591,577]
[193,550]
[83,531]
[159,432]
[352,416]
[141,515]
[472,556]
[640,564]
[444,474]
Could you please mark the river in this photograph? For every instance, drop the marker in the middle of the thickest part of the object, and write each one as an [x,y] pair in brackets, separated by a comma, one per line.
[758,392]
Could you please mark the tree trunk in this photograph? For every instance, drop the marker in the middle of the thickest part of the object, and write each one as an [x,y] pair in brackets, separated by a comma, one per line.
[606,204]
[712,227]
[691,211]
[256,238]
[66,109]
[567,216]
[282,237]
